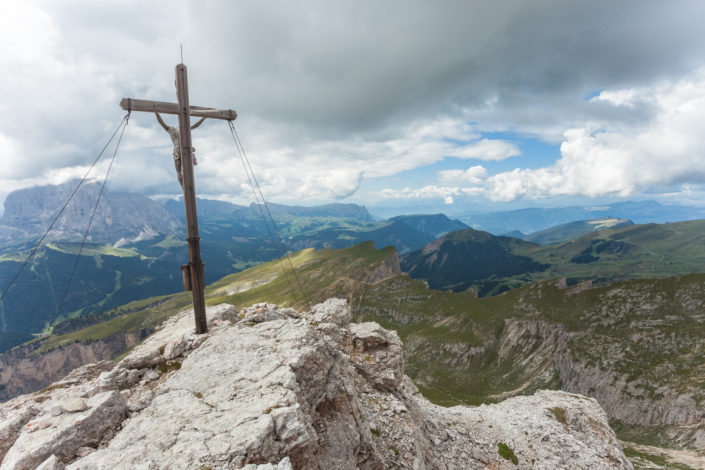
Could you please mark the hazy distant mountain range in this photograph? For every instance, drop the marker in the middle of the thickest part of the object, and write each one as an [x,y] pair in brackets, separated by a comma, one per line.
[209,208]
[534,220]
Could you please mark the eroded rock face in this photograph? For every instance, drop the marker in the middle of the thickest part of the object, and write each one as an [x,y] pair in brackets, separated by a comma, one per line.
[271,388]
[22,372]
[120,215]
[390,267]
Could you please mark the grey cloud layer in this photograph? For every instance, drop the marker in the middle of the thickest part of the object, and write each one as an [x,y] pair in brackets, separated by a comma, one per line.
[318,84]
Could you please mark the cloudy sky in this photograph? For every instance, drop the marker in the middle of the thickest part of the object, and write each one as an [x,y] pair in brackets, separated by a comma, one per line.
[453,106]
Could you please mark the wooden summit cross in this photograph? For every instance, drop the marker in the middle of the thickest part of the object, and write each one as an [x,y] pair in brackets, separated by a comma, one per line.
[193,276]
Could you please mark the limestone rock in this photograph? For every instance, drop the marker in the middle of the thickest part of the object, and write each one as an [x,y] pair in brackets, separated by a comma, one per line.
[152,375]
[263,312]
[23,372]
[377,354]
[73,405]
[119,215]
[285,464]
[273,389]
[52,463]
[390,267]
[12,422]
[332,311]
[63,435]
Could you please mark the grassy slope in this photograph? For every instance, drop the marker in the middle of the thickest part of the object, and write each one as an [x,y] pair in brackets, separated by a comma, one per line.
[573,230]
[339,233]
[649,250]
[321,274]
[440,329]
[471,258]
[105,277]
[108,277]
[646,334]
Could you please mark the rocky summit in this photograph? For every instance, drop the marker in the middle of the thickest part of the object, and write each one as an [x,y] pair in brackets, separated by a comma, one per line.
[273,388]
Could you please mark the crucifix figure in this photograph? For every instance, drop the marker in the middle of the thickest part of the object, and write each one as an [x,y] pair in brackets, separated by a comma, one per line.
[193,276]
[176,140]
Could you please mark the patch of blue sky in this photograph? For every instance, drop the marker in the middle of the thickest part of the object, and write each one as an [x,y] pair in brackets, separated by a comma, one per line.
[534,153]
[592,93]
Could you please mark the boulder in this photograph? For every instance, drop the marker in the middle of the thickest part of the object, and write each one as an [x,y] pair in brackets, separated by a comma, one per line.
[73,405]
[332,311]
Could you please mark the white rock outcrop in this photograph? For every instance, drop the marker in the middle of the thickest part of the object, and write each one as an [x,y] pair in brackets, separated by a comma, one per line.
[271,388]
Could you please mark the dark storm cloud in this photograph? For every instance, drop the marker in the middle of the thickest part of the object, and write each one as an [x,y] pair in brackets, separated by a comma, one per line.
[361,65]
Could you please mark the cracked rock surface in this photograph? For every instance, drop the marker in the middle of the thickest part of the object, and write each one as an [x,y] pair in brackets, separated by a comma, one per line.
[272,388]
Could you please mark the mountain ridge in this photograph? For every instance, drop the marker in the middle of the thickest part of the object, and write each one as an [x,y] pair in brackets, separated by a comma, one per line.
[216,208]
[573,230]
[604,256]
[128,259]
[120,217]
[630,345]
[532,220]
[460,259]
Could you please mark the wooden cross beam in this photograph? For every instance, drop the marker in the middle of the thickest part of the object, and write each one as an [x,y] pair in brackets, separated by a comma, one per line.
[194,279]
[129,104]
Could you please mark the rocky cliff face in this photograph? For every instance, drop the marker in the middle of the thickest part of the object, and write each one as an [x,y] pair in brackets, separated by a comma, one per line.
[388,268]
[546,351]
[636,347]
[271,388]
[23,372]
[120,217]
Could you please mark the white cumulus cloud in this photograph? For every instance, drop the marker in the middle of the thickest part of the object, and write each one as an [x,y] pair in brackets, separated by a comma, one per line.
[474,175]
[486,149]
[604,158]
[429,191]
[601,159]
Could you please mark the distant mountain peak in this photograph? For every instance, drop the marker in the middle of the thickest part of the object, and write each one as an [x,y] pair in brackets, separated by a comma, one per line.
[120,216]
[531,220]
[435,225]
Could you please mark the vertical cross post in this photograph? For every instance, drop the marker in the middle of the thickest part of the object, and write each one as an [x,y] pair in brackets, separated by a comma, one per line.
[194,279]
[194,247]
